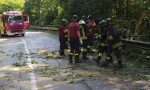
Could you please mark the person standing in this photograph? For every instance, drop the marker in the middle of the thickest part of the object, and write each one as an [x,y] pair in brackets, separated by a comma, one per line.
[63,31]
[90,34]
[83,32]
[102,47]
[114,45]
[74,39]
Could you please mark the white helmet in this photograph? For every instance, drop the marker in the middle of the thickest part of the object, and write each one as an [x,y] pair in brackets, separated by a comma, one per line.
[82,22]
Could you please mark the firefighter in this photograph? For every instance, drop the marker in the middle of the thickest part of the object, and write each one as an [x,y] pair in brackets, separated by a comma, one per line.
[63,32]
[102,47]
[90,34]
[74,39]
[83,32]
[84,18]
[114,45]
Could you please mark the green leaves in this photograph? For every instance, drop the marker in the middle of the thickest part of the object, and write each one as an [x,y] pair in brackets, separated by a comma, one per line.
[11,5]
[52,11]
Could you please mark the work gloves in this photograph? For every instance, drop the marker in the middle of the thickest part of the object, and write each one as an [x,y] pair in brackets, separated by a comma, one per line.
[81,42]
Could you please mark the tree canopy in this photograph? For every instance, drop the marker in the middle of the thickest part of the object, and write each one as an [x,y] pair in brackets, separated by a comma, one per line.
[127,13]
[52,10]
[11,5]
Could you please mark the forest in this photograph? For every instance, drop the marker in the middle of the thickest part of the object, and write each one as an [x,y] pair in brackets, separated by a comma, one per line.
[132,15]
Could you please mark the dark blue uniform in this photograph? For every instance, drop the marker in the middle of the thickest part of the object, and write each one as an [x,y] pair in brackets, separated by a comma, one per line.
[102,47]
[103,43]
[114,45]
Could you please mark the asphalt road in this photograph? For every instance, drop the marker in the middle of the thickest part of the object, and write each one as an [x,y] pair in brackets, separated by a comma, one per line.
[26,64]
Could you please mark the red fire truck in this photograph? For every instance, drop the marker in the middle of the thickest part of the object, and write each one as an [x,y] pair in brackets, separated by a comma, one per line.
[12,23]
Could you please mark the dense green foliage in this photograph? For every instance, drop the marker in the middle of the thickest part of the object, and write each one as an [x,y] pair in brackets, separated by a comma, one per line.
[53,9]
[126,13]
[11,5]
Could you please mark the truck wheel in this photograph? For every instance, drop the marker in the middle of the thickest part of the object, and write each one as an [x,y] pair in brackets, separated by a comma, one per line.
[2,35]
[23,35]
[5,34]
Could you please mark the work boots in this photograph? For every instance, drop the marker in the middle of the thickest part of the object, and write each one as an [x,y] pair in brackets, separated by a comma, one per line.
[107,63]
[119,65]
[84,57]
[61,53]
[97,60]
[70,59]
[77,59]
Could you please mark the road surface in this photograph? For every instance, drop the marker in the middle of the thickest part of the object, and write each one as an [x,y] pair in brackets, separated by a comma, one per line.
[32,63]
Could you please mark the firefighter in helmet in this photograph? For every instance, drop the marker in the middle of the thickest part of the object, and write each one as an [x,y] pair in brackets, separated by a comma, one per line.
[114,44]
[74,39]
[63,32]
[83,32]
[102,47]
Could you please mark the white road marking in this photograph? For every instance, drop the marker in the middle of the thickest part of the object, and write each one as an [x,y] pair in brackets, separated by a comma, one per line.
[32,75]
